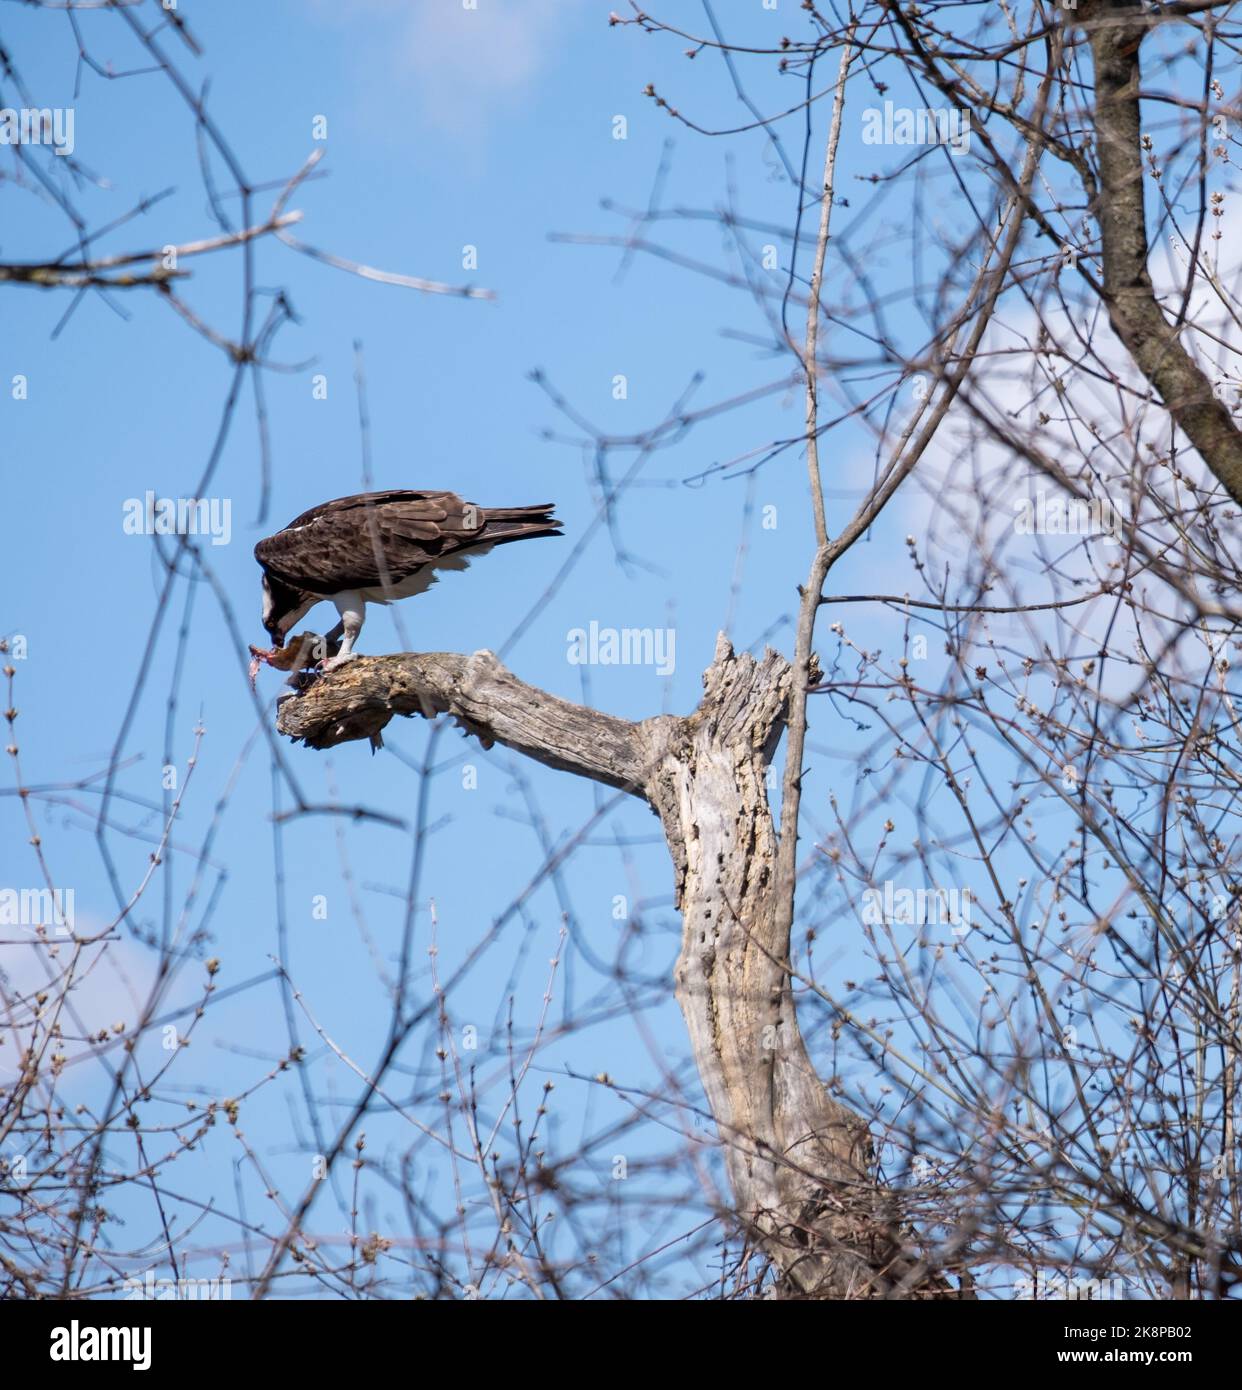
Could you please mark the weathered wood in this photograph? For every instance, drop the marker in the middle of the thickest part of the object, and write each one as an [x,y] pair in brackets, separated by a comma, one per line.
[358,700]
[799,1162]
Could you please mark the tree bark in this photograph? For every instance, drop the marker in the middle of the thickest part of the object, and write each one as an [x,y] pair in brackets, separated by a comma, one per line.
[799,1162]
[1117,29]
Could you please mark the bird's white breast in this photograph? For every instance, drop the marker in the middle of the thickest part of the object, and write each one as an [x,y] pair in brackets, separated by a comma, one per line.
[423,579]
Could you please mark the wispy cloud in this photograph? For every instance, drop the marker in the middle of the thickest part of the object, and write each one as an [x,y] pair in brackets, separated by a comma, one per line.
[469,64]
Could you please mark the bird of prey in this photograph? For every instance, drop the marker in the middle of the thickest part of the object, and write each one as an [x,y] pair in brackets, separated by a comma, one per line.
[376,547]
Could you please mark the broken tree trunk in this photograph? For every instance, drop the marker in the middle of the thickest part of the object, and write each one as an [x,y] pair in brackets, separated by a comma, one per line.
[799,1162]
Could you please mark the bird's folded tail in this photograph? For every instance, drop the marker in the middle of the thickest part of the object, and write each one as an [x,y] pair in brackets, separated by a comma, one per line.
[519,523]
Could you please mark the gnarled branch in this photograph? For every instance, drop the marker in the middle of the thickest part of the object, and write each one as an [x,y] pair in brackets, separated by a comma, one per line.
[800,1163]
[359,699]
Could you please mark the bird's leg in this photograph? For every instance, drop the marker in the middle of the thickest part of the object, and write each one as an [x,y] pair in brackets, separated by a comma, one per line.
[327,642]
[352,608]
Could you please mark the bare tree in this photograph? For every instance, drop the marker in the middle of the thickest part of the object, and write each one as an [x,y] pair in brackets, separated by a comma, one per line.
[1018,1073]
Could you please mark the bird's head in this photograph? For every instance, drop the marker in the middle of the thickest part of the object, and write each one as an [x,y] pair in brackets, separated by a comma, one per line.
[282,607]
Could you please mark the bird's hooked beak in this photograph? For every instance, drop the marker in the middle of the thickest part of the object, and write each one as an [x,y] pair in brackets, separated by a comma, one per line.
[276,626]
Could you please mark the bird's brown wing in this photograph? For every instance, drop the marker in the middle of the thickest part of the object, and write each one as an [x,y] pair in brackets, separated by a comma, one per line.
[376,538]
[368,501]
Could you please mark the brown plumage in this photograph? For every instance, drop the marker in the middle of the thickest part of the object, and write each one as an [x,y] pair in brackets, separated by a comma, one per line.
[376,547]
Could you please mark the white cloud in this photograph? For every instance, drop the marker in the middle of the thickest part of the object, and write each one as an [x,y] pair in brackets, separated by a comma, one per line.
[467,63]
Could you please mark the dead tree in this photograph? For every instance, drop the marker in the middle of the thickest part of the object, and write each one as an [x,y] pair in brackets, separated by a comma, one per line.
[800,1163]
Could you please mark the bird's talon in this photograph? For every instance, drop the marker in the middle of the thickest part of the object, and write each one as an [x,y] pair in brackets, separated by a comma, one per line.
[333,662]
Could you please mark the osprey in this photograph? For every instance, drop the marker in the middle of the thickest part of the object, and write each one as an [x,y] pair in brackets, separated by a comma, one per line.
[376,547]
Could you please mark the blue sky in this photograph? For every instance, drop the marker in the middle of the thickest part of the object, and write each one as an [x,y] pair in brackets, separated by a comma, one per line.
[446,128]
